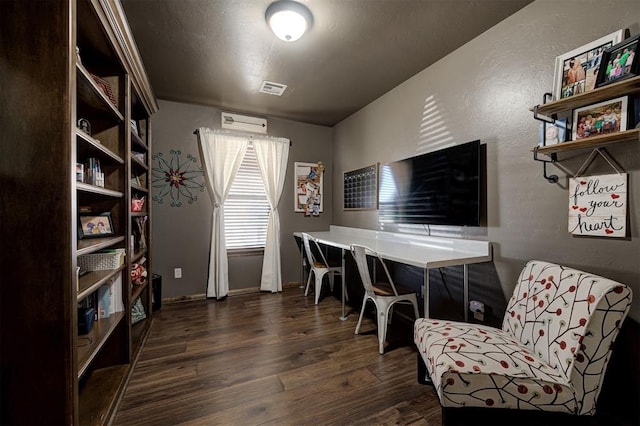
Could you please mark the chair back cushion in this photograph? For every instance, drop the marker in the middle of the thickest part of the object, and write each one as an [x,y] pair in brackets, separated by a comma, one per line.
[570,319]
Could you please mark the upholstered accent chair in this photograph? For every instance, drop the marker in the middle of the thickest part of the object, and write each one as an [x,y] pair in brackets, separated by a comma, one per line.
[550,355]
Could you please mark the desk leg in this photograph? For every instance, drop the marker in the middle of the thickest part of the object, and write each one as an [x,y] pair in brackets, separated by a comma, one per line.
[302,282]
[465,287]
[425,294]
[344,287]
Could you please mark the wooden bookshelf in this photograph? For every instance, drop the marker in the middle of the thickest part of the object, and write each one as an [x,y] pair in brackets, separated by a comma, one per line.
[87,68]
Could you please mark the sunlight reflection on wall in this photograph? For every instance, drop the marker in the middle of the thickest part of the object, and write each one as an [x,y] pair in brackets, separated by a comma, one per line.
[434,133]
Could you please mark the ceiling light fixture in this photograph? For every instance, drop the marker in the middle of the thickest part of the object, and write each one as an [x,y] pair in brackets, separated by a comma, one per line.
[288,19]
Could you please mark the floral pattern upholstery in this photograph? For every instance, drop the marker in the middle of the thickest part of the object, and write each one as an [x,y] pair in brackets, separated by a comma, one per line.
[552,351]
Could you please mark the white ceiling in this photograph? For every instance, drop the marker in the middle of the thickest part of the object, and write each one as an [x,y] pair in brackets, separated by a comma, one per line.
[218,52]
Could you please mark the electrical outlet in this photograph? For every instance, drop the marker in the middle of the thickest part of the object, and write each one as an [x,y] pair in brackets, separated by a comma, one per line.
[475,306]
[177,272]
[478,310]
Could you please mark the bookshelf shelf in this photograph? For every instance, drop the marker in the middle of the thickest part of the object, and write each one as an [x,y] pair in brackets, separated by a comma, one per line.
[94,98]
[138,142]
[92,245]
[139,188]
[95,408]
[90,344]
[137,255]
[94,279]
[89,146]
[85,187]
[137,290]
[138,164]
[139,332]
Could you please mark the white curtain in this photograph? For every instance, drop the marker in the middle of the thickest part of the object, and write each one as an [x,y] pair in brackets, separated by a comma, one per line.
[221,154]
[272,155]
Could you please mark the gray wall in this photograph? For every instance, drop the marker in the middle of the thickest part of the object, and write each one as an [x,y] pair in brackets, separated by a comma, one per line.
[181,235]
[484,91]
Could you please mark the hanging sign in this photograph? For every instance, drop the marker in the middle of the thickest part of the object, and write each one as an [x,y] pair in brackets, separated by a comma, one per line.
[598,205]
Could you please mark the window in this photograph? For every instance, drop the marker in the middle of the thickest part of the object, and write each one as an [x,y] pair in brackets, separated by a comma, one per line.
[246,210]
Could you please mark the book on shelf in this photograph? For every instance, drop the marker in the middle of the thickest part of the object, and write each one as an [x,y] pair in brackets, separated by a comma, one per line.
[105,298]
[110,298]
[93,172]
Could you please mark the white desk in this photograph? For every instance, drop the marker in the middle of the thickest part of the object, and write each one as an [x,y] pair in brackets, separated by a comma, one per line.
[416,250]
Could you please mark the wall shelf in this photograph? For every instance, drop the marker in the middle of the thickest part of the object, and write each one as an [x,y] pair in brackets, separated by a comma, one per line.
[614,90]
[593,142]
[547,112]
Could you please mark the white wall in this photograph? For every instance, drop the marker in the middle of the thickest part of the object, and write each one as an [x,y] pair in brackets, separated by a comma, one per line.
[484,91]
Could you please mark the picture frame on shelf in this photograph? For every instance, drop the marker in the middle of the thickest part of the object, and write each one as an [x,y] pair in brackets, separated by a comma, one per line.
[554,133]
[577,71]
[635,120]
[134,127]
[95,225]
[620,62]
[84,125]
[599,119]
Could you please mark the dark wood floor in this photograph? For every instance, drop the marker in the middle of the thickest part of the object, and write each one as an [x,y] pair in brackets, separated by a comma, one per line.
[274,359]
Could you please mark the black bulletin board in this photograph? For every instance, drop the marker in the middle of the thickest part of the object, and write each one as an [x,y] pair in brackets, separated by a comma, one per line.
[361,188]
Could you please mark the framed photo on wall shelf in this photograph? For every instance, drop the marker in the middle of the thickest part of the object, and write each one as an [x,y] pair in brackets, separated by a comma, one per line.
[554,133]
[95,225]
[577,71]
[619,62]
[599,119]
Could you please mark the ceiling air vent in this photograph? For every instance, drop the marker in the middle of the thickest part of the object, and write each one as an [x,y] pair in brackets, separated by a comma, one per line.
[273,88]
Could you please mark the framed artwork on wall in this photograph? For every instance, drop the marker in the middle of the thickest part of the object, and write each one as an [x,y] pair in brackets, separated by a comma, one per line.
[577,71]
[601,213]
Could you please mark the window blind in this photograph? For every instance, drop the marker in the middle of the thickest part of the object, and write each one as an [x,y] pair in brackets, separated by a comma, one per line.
[246,210]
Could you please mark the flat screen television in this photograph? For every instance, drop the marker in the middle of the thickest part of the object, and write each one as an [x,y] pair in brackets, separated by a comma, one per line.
[437,188]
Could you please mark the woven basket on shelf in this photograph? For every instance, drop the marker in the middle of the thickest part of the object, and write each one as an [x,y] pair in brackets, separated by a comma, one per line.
[101,261]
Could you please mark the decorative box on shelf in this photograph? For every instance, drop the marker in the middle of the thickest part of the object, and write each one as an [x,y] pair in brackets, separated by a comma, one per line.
[137,204]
